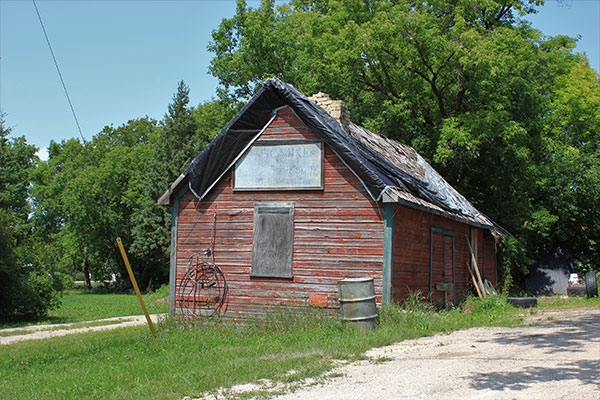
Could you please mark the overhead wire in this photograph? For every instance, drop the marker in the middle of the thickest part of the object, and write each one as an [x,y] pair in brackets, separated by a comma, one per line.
[91,160]
[59,73]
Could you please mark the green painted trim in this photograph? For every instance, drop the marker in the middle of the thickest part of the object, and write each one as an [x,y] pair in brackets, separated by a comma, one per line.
[173,254]
[388,252]
[430,294]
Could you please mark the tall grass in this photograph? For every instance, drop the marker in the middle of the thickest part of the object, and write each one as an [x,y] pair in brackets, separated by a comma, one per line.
[189,359]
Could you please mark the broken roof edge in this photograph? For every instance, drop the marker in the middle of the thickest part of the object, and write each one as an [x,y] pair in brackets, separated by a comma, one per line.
[166,197]
[241,153]
[467,214]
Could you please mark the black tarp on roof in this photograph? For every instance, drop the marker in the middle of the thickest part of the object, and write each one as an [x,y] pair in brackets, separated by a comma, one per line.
[374,170]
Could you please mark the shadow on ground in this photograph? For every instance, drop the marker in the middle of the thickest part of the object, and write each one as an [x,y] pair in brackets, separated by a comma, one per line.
[561,337]
[585,371]
[567,336]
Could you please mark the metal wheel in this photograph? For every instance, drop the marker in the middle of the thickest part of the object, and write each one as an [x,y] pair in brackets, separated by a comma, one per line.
[202,291]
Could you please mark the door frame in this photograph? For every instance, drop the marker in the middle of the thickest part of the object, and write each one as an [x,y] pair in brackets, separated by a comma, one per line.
[445,233]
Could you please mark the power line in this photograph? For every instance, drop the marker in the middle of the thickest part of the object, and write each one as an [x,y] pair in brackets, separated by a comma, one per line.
[58,69]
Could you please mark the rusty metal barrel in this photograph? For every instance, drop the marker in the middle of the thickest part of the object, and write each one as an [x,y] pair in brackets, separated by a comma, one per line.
[357,302]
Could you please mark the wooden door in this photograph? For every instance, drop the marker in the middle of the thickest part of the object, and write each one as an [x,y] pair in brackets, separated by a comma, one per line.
[441,268]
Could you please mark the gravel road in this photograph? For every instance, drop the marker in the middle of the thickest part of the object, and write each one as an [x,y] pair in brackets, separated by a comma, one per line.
[556,357]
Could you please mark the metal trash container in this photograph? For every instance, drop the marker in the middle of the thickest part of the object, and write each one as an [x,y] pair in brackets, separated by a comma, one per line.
[357,302]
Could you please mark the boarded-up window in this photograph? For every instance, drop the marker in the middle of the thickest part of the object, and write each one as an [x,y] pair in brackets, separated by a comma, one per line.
[273,240]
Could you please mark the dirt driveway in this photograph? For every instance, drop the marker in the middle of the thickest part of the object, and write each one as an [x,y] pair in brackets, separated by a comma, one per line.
[557,357]
[36,332]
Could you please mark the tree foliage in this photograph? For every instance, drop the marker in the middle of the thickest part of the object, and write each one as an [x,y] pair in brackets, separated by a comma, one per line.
[29,282]
[86,195]
[509,116]
[567,180]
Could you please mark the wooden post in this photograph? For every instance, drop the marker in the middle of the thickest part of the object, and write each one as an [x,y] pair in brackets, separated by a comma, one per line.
[474,280]
[388,252]
[173,254]
[474,242]
[475,268]
[135,286]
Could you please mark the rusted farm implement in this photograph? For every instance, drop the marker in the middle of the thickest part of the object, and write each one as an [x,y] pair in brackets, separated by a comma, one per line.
[203,289]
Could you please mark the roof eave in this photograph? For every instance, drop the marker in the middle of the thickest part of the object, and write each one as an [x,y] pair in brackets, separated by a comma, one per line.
[166,198]
[390,195]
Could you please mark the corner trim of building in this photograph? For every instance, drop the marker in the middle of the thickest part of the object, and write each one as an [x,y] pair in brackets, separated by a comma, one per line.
[173,254]
[388,252]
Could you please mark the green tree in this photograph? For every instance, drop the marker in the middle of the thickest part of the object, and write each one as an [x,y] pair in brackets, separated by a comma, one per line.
[171,149]
[29,285]
[183,134]
[89,194]
[51,215]
[16,161]
[175,148]
[468,83]
[211,117]
[567,181]
[85,197]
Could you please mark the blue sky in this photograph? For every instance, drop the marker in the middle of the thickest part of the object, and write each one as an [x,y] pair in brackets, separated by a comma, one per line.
[123,59]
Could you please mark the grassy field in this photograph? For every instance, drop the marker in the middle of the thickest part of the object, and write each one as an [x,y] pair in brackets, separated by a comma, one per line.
[80,305]
[194,359]
[190,360]
[561,302]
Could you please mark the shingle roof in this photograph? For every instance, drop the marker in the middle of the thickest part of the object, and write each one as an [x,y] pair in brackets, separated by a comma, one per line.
[389,170]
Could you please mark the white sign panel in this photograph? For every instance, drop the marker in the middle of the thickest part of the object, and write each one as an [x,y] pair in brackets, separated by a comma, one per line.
[280,166]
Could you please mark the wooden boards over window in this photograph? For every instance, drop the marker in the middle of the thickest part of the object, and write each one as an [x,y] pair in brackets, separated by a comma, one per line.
[272,242]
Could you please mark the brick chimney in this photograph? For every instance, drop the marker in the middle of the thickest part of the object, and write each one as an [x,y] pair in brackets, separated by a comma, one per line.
[336,108]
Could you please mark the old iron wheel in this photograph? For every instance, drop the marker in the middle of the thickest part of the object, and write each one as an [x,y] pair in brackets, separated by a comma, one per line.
[203,289]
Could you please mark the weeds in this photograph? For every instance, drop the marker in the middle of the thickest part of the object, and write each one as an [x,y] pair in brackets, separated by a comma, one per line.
[381,360]
[193,358]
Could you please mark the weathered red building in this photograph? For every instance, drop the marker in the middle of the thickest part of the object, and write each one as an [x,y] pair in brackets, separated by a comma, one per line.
[287,200]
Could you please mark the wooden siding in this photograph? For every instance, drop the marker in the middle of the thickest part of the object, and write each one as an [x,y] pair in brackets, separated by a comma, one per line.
[412,241]
[489,272]
[338,233]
